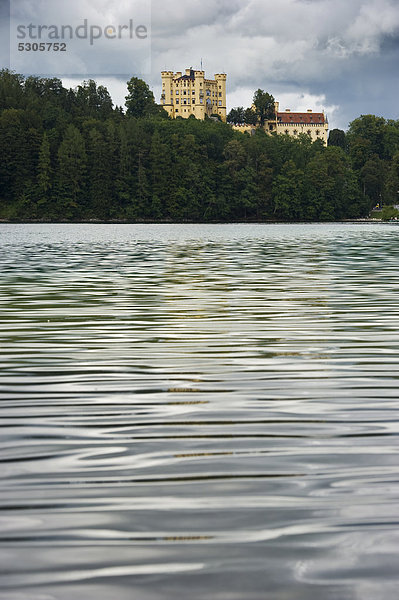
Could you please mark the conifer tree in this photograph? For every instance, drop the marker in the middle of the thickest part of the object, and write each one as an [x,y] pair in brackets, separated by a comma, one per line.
[44,172]
[72,170]
[123,184]
[99,180]
[44,167]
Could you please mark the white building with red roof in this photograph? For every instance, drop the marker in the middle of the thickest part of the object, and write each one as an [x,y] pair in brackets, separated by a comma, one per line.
[314,124]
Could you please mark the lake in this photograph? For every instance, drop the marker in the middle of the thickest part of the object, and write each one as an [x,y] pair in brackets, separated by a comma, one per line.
[199,412]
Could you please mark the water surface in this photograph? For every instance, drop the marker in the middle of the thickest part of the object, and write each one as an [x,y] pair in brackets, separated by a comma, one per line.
[205,412]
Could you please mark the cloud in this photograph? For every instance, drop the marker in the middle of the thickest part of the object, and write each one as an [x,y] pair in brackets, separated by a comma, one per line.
[338,54]
[295,49]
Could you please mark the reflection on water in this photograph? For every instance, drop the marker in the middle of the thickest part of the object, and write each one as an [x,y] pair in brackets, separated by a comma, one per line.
[205,412]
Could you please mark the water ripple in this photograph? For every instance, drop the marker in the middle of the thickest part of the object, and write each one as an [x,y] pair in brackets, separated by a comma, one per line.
[211,408]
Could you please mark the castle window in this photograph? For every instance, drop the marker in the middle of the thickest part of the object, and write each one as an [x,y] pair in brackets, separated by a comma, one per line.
[193,91]
[201,101]
[220,94]
[185,93]
[220,103]
[177,110]
[177,92]
[295,132]
[177,100]
[193,100]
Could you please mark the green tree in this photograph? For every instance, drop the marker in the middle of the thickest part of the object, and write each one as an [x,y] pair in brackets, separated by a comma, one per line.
[264,180]
[316,205]
[264,106]
[372,178]
[140,101]
[391,139]
[287,188]
[124,174]
[11,90]
[99,176]
[44,173]
[72,170]
[141,207]
[15,174]
[370,128]
[93,101]
[392,183]
[236,115]
[160,166]
[337,137]
[250,117]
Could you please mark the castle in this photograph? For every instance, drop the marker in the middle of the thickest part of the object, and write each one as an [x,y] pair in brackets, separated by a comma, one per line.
[192,94]
[314,124]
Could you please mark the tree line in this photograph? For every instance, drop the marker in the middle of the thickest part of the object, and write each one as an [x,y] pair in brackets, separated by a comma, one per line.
[71,155]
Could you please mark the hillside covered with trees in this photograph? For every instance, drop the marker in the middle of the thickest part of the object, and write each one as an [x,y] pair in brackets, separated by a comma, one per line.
[70,155]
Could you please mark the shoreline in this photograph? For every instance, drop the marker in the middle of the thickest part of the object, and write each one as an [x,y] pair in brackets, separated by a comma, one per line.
[120,222]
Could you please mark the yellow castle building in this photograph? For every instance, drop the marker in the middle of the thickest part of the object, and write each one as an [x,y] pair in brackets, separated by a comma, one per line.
[193,94]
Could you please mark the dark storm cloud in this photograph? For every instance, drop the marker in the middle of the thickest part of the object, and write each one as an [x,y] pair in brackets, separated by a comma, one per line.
[336,54]
[390,43]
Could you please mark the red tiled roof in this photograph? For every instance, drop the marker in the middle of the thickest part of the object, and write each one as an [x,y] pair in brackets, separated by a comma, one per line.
[308,118]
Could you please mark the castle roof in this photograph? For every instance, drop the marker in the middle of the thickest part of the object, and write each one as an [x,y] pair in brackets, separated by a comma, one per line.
[299,118]
[190,77]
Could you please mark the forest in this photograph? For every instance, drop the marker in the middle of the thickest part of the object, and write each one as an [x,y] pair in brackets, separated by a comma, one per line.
[71,155]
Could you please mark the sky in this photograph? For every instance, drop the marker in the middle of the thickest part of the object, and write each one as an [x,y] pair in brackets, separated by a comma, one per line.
[338,55]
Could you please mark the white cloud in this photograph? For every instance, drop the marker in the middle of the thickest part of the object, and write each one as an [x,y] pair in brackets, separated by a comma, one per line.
[376,19]
[304,101]
[296,101]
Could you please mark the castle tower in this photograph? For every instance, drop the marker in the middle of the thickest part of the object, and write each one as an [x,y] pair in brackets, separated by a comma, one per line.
[167,90]
[193,94]
[220,79]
